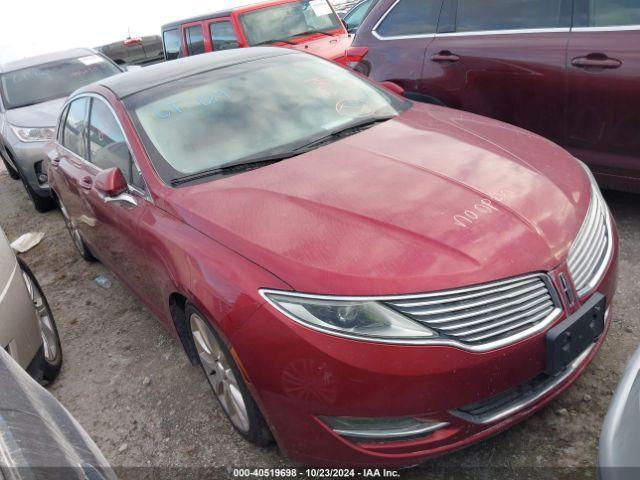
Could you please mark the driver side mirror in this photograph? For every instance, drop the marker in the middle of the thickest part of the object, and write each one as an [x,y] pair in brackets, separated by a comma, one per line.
[111,182]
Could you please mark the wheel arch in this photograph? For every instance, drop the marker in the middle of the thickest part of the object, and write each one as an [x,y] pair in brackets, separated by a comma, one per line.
[177,307]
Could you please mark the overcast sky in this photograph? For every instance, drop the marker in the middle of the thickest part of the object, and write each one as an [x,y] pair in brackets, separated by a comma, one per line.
[39,26]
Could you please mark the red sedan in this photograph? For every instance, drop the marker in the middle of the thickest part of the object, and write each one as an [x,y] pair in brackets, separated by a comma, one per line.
[368,280]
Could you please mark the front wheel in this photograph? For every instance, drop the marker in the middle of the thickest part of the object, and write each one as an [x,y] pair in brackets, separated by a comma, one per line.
[13,173]
[52,361]
[41,204]
[226,380]
[74,233]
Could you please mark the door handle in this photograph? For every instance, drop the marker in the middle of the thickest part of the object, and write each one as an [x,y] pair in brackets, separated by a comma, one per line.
[86,183]
[596,61]
[445,57]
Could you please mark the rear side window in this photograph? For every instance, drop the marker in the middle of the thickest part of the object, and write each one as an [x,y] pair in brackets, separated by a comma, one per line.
[223,36]
[489,15]
[171,39]
[195,40]
[614,13]
[410,17]
[74,136]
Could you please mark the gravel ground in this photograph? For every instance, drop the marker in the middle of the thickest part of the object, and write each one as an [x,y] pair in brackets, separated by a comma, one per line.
[130,385]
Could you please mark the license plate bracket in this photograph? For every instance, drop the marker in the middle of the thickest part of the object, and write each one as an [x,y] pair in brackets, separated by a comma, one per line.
[567,340]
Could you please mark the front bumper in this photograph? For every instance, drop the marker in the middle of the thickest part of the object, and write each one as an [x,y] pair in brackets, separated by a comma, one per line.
[29,157]
[298,376]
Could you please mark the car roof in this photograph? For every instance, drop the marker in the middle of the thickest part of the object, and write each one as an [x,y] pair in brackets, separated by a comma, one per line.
[134,81]
[217,14]
[46,58]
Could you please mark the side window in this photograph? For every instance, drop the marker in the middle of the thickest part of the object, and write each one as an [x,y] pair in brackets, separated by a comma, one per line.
[195,40]
[74,135]
[223,36]
[354,18]
[107,145]
[614,13]
[410,17]
[489,15]
[61,121]
[171,39]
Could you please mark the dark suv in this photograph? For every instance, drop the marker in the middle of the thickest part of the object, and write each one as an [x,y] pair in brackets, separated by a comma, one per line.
[565,69]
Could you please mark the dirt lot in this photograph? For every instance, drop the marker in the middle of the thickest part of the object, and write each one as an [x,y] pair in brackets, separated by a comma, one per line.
[111,343]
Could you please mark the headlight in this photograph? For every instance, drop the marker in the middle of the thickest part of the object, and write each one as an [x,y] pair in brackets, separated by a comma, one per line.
[27,134]
[365,319]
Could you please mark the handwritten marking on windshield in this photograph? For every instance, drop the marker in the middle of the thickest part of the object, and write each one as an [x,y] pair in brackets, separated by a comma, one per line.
[201,100]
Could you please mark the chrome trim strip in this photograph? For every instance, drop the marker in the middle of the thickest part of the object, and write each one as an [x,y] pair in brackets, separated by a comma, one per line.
[390,435]
[528,400]
[516,31]
[553,315]
[621,28]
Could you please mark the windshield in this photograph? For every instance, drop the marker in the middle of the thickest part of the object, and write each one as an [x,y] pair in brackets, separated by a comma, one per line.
[282,22]
[260,108]
[49,81]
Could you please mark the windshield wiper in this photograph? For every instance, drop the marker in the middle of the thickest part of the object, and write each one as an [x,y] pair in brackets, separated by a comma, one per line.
[309,32]
[257,161]
[275,40]
[342,132]
[239,166]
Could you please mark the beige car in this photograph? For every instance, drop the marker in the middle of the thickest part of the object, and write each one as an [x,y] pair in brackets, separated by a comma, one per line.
[27,328]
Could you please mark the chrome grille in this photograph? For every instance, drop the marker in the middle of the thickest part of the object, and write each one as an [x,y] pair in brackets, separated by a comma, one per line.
[486,315]
[591,249]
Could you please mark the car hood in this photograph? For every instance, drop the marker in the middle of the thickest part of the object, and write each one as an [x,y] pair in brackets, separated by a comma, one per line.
[331,48]
[433,199]
[43,114]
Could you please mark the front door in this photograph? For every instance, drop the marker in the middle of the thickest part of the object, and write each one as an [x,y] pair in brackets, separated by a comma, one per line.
[603,115]
[504,59]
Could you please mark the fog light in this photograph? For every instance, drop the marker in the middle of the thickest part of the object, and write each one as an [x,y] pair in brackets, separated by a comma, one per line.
[42,178]
[382,429]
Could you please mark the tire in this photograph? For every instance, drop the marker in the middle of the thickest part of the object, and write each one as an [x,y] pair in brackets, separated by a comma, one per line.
[74,233]
[41,204]
[225,379]
[52,359]
[13,173]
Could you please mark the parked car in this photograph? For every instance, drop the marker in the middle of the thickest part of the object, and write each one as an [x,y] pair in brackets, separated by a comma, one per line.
[28,330]
[138,51]
[371,280]
[355,16]
[568,75]
[39,439]
[308,25]
[32,92]
[620,439]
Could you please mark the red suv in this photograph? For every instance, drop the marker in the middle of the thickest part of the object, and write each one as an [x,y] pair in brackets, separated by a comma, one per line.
[566,69]
[309,25]
[370,280]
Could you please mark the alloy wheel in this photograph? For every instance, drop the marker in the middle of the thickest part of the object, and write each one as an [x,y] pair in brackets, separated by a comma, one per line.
[219,373]
[47,330]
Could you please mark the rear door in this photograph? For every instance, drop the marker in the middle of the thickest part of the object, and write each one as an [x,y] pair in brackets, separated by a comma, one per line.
[194,39]
[603,116]
[73,175]
[504,59]
[222,35]
[398,40]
